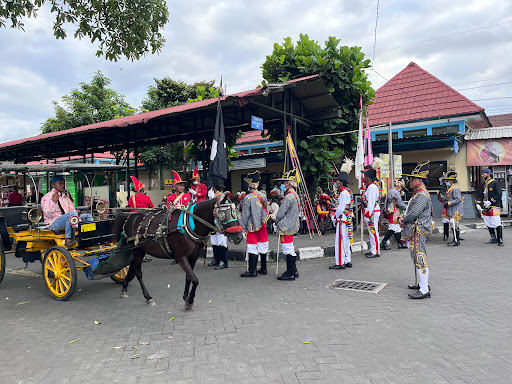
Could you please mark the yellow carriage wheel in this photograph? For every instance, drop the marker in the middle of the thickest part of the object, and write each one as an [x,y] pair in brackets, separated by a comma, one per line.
[120,276]
[59,273]
[2,262]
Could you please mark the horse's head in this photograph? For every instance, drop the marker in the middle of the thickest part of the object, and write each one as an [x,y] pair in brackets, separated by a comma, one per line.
[226,217]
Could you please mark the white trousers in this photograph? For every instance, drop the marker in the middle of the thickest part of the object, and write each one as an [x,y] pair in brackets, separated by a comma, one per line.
[342,245]
[445,220]
[220,240]
[374,237]
[492,221]
[258,248]
[395,228]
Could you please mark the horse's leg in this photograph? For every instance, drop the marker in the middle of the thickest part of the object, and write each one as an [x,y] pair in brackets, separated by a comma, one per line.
[184,263]
[138,255]
[129,277]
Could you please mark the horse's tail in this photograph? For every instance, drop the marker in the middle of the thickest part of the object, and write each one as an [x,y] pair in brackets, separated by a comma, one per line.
[117,227]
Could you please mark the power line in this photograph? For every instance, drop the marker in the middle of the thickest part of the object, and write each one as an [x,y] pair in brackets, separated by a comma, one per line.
[375,39]
[479,81]
[443,37]
[494,98]
[484,86]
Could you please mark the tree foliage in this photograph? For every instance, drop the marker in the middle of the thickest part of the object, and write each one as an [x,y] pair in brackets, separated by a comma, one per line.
[122,28]
[90,103]
[342,70]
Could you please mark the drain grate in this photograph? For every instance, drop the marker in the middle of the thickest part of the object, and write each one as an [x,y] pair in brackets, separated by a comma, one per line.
[360,286]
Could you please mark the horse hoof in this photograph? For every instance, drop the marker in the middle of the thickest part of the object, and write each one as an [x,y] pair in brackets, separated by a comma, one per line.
[188,306]
[151,302]
[124,295]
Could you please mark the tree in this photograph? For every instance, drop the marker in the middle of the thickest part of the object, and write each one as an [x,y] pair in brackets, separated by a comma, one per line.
[342,70]
[122,28]
[89,104]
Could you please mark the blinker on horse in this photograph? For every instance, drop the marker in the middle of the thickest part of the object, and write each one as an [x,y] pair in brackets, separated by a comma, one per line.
[160,232]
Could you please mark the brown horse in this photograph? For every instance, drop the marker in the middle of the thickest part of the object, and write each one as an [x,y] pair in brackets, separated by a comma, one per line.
[145,232]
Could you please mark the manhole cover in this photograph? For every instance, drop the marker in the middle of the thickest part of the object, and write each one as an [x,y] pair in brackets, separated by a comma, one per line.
[361,286]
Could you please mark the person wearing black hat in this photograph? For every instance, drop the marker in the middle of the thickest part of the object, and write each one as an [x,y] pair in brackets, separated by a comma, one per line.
[219,241]
[57,208]
[342,219]
[393,209]
[489,204]
[254,219]
[417,224]
[371,202]
[452,201]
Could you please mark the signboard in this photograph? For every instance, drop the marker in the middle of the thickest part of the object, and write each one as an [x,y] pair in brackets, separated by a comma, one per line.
[489,152]
[385,167]
[248,164]
[398,165]
[257,123]
[168,182]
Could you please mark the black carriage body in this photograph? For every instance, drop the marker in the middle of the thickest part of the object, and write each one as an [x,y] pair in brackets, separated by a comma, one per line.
[95,233]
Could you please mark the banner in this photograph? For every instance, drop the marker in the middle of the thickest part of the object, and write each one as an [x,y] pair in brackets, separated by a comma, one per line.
[489,152]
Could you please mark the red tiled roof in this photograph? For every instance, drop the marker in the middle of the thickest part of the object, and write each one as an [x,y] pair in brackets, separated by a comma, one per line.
[504,120]
[251,137]
[415,95]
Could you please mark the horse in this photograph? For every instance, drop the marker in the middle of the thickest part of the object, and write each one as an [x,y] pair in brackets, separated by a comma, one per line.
[162,233]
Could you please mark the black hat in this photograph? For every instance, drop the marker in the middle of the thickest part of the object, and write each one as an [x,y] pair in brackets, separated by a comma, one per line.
[402,180]
[420,172]
[343,176]
[253,178]
[450,176]
[371,174]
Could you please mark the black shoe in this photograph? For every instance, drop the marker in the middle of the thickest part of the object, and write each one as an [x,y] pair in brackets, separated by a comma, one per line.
[372,255]
[385,247]
[214,263]
[416,287]
[499,236]
[291,269]
[336,267]
[286,276]
[261,272]
[253,261]
[296,274]
[492,241]
[445,238]
[172,262]
[402,246]
[419,295]
[453,243]
[146,260]
[500,243]
[368,253]
[222,265]
[348,265]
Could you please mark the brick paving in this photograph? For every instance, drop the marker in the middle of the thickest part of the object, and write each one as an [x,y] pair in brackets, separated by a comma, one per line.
[260,330]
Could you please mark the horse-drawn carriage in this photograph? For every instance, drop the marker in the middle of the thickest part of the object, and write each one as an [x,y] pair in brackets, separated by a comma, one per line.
[27,237]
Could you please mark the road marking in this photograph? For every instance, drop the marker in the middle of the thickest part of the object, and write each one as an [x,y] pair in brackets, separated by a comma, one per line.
[22,272]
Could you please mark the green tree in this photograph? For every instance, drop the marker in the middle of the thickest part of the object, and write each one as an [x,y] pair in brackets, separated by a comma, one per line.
[90,103]
[342,70]
[122,28]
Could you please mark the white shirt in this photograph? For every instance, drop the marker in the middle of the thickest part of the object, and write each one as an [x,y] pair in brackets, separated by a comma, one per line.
[343,202]
[372,195]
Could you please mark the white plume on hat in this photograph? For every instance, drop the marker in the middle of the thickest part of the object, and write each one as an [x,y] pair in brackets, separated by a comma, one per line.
[377,163]
[347,165]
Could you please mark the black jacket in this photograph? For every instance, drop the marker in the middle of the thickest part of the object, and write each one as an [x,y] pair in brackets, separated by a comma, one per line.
[493,193]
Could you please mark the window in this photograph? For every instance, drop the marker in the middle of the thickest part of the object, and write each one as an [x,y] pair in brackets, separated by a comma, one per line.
[436,170]
[384,136]
[414,133]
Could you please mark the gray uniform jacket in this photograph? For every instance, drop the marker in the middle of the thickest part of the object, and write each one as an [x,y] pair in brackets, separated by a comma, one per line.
[418,217]
[254,215]
[394,195]
[287,219]
[454,200]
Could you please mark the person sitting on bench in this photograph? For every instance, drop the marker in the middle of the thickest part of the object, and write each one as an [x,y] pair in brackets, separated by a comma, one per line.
[57,209]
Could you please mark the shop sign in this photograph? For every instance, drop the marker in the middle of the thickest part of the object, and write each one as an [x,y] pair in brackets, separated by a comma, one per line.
[385,167]
[168,182]
[489,152]
[248,164]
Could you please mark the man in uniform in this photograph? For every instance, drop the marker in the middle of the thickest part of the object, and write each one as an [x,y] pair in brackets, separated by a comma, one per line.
[452,201]
[371,203]
[254,219]
[417,224]
[441,196]
[139,200]
[287,223]
[219,240]
[393,208]
[58,208]
[342,219]
[198,190]
[489,204]
[179,198]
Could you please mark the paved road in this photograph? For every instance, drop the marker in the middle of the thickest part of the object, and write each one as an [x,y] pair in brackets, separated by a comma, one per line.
[261,330]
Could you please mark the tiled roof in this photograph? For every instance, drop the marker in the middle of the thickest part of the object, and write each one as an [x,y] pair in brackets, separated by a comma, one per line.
[501,120]
[415,95]
[251,137]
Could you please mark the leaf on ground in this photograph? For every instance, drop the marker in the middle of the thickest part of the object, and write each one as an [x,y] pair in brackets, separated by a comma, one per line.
[97,322]
[29,286]
[134,347]
[143,343]
[117,347]
[306,342]
[172,318]
[23,302]
[6,298]
[168,285]
[136,356]
[209,301]
[73,341]
[170,337]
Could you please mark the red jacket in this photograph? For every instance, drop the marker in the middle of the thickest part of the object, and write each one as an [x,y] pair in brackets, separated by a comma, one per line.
[201,192]
[182,201]
[140,200]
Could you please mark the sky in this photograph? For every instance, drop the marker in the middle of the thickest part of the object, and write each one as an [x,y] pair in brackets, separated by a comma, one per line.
[464,43]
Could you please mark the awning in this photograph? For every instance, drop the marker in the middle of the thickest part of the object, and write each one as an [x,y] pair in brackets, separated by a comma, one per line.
[489,133]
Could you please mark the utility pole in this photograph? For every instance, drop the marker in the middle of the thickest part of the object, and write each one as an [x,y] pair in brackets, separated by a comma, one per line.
[391,159]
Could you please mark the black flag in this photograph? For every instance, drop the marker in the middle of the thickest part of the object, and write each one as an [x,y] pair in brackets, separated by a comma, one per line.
[218,169]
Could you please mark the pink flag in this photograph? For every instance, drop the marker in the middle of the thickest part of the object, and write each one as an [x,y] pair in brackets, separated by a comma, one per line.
[368,156]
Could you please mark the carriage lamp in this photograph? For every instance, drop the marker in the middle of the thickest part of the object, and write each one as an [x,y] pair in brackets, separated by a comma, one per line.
[33,215]
[99,206]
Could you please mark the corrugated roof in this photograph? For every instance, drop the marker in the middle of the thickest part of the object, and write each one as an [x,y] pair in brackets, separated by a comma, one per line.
[415,95]
[489,133]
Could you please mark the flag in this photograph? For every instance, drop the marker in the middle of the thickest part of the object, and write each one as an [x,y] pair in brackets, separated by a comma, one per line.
[218,169]
[368,156]
[359,163]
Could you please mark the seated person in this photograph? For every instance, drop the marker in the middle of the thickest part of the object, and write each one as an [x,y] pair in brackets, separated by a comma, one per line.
[15,198]
[140,199]
[57,209]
